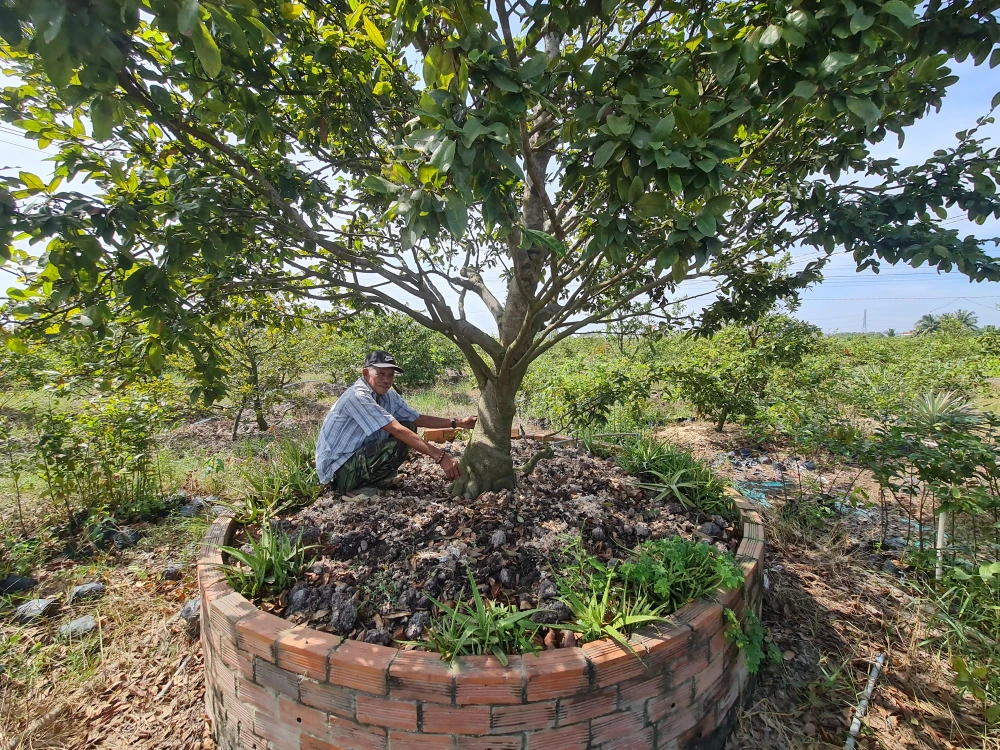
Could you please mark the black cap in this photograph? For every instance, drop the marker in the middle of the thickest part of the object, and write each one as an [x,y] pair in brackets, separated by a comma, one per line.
[382,359]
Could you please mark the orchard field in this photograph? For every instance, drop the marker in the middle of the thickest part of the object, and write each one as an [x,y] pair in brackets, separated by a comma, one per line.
[873,457]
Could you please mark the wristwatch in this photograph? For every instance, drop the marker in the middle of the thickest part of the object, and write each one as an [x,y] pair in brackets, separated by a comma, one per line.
[453,423]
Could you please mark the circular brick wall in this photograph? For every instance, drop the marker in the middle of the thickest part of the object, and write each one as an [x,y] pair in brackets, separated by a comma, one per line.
[272,685]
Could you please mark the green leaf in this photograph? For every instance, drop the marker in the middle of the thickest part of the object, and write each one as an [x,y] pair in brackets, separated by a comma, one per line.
[861,21]
[443,156]
[995,58]
[188,17]
[10,26]
[835,62]
[373,33]
[793,37]
[771,36]
[620,125]
[706,225]
[636,189]
[996,101]
[688,93]
[503,81]
[676,183]
[902,11]
[663,129]
[32,181]
[456,213]
[207,50]
[651,205]
[604,153]
[805,89]
[865,109]
[16,345]
[472,129]
[291,11]
[531,237]
[101,118]
[506,159]
[533,66]
[380,184]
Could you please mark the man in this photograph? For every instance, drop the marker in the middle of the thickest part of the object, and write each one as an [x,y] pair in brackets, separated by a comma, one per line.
[369,431]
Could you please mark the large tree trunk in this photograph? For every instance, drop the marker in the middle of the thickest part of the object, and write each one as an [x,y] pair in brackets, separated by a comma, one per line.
[486,464]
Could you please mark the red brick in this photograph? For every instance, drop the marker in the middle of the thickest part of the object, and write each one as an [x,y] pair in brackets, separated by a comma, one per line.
[674,725]
[586,707]
[717,646]
[556,673]
[280,681]
[238,661]
[419,675]
[727,598]
[306,651]
[238,712]
[329,698]
[573,737]
[262,699]
[303,718]
[250,741]
[513,742]
[312,743]
[276,731]
[641,740]
[226,611]
[395,714]
[614,664]
[704,617]
[616,726]
[221,677]
[524,717]
[669,704]
[700,729]
[407,741]
[362,666]
[484,680]
[259,632]
[707,678]
[690,666]
[634,694]
[345,733]
[455,720]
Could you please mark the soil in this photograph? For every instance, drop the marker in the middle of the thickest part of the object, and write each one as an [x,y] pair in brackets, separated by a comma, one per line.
[382,558]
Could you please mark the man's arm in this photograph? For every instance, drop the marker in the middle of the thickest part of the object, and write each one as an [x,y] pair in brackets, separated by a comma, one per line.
[463,423]
[448,464]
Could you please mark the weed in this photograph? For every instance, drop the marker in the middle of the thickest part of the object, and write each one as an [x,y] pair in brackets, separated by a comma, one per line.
[482,628]
[673,572]
[287,475]
[750,638]
[612,613]
[271,564]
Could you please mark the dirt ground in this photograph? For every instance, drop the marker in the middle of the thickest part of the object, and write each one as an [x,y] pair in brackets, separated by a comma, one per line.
[829,607]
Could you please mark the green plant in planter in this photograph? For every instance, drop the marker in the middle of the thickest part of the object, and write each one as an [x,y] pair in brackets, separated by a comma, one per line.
[272,563]
[612,613]
[482,628]
[750,638]
[673,572]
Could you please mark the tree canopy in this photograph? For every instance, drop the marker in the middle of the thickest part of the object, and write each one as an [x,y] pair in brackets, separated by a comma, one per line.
[596,154]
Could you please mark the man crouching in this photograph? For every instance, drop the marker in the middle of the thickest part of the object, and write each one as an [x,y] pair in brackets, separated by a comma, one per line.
[369,431]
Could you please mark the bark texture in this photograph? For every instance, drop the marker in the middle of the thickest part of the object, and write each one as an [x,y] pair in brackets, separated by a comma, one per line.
[486,463]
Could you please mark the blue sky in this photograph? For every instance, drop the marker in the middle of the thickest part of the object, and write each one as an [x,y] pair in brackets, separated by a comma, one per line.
[847,300]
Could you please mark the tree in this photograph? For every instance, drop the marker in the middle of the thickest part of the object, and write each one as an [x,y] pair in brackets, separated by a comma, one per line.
[596,155]
[927,324]
[728,374]
[960,320]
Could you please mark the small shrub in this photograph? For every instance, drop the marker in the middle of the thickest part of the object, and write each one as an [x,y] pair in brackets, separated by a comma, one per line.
[613,612]
[270,566]
[482,628]
[750,638]
[286,477]
[673,572]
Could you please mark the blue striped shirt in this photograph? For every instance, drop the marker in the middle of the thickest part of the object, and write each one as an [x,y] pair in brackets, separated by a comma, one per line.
[355,421]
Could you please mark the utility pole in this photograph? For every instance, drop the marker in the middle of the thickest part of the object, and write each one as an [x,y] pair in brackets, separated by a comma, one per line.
[864,322]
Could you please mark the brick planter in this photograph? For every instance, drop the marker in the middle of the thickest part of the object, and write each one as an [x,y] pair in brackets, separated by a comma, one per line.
[272,685]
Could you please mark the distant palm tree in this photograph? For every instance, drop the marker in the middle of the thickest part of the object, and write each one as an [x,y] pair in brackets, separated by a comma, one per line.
[962,319]
[927,324]
[891,332]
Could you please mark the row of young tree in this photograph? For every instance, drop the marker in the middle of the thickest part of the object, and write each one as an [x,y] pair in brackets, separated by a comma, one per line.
[597,155]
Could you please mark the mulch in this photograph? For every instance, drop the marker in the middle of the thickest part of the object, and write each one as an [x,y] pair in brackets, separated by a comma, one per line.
[382,559]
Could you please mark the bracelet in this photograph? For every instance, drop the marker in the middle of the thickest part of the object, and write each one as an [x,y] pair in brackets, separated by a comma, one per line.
[443,454]
[453,423]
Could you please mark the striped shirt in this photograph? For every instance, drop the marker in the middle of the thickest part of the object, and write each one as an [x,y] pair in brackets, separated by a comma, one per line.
[356,420]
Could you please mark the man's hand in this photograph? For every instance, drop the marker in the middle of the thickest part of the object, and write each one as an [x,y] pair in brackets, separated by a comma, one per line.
[466,423]
[450,466]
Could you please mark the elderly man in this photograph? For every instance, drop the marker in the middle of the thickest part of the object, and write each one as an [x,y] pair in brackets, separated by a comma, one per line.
[369,431]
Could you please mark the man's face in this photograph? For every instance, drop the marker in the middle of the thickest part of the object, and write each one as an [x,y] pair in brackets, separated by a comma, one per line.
[379,378]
